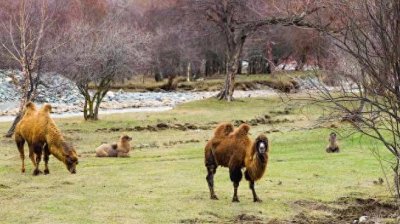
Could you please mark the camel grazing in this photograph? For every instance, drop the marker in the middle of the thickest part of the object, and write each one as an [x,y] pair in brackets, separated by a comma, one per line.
[39,130]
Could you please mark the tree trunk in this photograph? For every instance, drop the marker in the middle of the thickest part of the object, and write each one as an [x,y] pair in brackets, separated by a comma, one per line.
[10,132]
[99,98]
[396,170]
[96,112]
[239,71]
[232,69]
[189,72]
[227,92]
[89,112]
[85,112]
[29,90]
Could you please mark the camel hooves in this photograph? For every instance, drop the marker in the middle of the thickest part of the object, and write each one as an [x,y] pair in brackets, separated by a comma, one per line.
[214,197]
[37,172]
[257,200]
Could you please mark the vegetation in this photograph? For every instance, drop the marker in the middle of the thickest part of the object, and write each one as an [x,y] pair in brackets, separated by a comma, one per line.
[370,63]
[282,81]
[164,179]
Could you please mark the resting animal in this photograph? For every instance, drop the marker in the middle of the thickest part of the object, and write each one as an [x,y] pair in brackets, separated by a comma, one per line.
[237,151]
[120,149]
[39,130]
[333,145]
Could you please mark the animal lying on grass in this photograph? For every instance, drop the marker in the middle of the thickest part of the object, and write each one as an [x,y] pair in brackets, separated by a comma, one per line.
[39,130]
[119,149]
[333,146]
[236,150]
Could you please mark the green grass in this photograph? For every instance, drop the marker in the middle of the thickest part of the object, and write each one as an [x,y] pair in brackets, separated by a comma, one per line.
[167,184]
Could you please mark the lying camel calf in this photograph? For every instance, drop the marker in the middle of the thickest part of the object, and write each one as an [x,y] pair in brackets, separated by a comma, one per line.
[120,149]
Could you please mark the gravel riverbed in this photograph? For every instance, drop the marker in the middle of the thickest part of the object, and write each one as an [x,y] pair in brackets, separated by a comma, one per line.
[65,99]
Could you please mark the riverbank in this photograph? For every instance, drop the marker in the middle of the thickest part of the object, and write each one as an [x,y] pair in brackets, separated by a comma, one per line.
[121,101]
[65,98]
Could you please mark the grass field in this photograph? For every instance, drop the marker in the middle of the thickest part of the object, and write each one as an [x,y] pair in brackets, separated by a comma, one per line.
[164,180]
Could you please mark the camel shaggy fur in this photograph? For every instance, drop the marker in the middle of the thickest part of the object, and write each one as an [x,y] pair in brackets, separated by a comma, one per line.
[220,133]
[119,149]
[333,146]
[236,151]
[39,130]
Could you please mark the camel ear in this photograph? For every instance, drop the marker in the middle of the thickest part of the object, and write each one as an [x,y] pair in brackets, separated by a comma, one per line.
[47,108]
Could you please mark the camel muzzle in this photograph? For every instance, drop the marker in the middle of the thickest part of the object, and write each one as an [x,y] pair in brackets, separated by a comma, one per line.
[262,148]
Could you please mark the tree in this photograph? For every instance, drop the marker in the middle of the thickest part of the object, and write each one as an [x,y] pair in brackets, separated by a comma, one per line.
[24,42]
[100,54]
[239,19]
[176,49]
[367,34]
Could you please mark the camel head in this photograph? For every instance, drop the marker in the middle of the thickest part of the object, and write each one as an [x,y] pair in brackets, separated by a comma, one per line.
[125,138]
[71,158]
[332,137]
[262,146]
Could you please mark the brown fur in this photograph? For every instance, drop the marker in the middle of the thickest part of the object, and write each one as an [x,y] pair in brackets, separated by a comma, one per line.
[333,146]
[39,130]
[236,151]
[120,149]
[220,133]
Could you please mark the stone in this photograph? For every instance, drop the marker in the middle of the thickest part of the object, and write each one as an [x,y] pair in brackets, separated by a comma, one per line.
[363,219]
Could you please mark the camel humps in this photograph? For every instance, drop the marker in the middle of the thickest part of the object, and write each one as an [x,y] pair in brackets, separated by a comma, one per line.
[39,130]
[236,151]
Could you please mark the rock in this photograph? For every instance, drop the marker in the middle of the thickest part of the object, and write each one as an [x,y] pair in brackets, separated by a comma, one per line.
[253,122]
[191,126]
[56,89]
[363,219]
[138,128]
[180,127]
[151,128]
[111,94]
[162,126]
[238,122]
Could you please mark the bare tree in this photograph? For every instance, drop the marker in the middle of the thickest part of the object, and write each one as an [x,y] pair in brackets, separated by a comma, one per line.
[99,55]
[368,36]
[239,19]
[25,27]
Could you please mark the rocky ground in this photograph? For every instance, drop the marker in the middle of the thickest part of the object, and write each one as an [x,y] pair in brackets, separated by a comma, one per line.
[65,97]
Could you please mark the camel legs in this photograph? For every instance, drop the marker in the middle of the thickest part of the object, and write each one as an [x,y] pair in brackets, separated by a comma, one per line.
[46,159]
[32,155]
[255,197]
[236,176]
[20,144]
[211,170]
[37,149]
